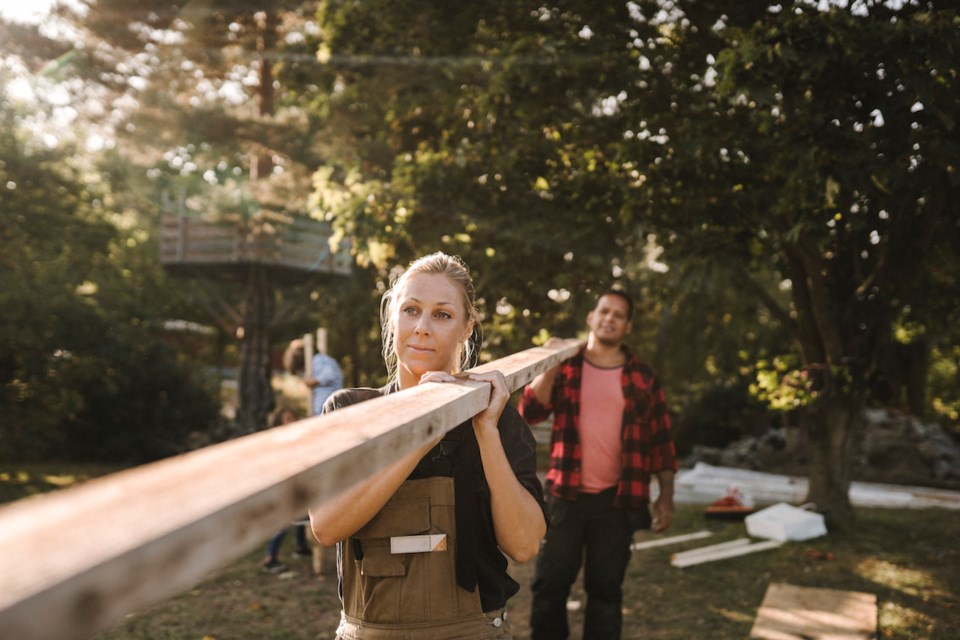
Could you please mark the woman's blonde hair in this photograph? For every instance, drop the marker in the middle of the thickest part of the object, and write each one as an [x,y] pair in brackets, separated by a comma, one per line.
[457,272]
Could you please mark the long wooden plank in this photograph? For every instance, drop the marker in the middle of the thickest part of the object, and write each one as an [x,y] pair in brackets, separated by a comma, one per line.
[709,549]
[77,560]
[731,551]
[662,542]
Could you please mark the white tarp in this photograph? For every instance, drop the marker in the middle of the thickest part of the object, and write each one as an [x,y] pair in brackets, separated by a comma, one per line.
[785,522]
[705,483]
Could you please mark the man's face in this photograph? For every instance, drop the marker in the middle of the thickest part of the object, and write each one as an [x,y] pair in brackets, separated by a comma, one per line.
[608,322]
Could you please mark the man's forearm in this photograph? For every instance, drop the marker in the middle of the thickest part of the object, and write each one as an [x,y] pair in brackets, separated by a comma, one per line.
[542,385]
[665,481]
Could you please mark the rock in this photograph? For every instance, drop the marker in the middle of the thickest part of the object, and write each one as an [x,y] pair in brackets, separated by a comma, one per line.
[895,448]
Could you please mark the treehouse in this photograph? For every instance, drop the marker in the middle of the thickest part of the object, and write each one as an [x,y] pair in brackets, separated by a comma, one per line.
[261,253]
[286,246]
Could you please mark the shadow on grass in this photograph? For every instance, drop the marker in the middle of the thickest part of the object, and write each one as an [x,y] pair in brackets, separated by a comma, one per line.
[908,558]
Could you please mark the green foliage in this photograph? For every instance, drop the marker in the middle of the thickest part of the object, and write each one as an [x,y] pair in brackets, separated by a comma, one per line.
[444,108]
[82,376]
[719,414]
[793,167]
[850,113]
[805,155]
[784,385]
[944,378]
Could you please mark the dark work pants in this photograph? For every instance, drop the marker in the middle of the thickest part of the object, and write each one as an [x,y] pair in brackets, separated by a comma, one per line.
[591,531]
[273,548]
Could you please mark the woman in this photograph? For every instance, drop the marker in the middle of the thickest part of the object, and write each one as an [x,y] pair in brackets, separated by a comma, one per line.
[477,484]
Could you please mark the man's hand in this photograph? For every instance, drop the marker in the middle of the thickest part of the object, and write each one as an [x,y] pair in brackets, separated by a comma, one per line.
[662,513]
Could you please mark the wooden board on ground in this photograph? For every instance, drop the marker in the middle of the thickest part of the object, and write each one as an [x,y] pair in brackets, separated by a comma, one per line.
[789,612]
[661,542]
[721,551]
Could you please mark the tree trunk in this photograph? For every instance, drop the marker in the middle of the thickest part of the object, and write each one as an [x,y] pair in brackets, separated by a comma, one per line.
[834,428]
[918,365]
[255,392]
[256,399]
[262,163]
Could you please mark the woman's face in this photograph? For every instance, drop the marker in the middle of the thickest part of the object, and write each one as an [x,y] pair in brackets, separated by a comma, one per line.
[431,325]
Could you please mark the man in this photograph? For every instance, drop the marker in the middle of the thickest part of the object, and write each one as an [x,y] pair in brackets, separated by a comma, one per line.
[611,433]
[324,376]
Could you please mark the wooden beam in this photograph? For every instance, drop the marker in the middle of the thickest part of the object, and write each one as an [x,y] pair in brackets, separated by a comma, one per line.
[77,560]
[739,547]
[662,542]
[711,549]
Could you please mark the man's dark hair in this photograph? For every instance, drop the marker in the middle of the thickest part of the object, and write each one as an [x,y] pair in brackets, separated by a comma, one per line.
[622,294]
[294,357]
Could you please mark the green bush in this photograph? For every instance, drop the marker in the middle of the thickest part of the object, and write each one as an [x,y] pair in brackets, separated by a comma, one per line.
[718,415]
[126,398]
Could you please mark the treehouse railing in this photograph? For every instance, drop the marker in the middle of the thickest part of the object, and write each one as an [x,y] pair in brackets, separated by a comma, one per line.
[291,243]
[75,561]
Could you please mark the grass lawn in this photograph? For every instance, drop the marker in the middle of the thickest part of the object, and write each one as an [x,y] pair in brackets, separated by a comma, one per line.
[909,559]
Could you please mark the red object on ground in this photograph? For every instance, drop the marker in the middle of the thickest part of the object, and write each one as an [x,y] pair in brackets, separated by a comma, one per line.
[732,506]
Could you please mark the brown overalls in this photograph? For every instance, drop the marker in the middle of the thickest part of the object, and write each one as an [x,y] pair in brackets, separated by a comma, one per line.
[411,596]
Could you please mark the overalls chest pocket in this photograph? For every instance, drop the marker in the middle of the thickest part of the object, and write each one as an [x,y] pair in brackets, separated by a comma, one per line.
[384,587]
[400,517]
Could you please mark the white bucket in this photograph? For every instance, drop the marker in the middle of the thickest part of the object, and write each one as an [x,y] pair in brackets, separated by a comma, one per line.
[785,522]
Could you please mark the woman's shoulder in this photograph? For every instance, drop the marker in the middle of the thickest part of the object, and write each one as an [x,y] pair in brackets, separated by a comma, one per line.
[345,397]
[513,426]
[511,415]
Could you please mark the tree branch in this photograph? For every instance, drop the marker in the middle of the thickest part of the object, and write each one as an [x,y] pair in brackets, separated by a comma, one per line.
[743,279]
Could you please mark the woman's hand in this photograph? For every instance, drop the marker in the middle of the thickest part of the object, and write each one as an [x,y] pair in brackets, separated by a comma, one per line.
[499,394]
[518,522]
[437,376]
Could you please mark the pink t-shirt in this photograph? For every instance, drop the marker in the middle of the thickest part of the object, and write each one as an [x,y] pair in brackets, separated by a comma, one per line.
[601,420]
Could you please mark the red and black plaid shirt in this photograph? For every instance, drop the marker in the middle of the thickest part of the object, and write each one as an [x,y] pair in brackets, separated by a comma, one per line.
[646,448]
